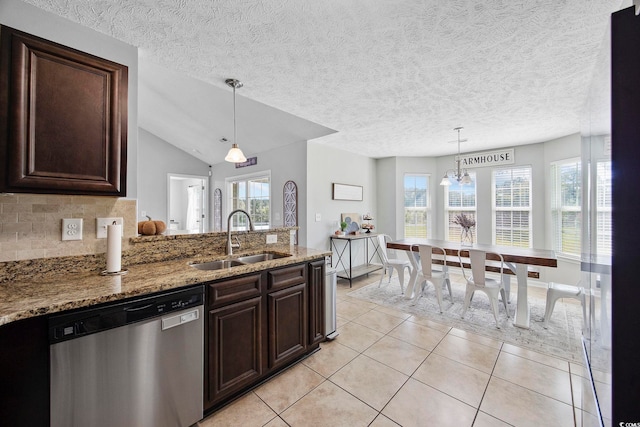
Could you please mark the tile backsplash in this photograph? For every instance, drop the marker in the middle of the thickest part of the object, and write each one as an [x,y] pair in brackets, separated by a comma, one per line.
[31,224]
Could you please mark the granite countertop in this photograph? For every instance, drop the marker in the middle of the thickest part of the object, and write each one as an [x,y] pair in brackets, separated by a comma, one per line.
[21,299]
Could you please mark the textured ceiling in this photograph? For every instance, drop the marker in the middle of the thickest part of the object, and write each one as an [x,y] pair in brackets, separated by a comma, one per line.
[393,77]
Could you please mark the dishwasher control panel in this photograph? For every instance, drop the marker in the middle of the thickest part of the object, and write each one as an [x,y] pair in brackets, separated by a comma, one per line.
[95,319]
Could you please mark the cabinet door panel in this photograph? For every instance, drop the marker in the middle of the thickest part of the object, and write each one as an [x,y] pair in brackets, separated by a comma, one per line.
[287,312]
[234,348]
[316,302]
[64,119]
[232,290]
[288,276]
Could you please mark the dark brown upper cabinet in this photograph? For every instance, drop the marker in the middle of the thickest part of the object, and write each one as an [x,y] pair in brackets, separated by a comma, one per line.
[63,119]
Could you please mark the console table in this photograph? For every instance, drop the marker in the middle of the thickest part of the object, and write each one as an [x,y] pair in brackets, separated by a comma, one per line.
[349,271]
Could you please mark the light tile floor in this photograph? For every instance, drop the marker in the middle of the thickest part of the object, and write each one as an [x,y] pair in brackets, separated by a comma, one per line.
[388,368]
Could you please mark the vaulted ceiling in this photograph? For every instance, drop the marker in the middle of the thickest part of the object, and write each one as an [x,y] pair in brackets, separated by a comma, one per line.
[392,77]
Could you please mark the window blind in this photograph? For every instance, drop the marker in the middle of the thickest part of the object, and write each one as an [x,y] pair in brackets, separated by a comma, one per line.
[417,213]
[566,214]
[460,199]
[603,208]
[512,207]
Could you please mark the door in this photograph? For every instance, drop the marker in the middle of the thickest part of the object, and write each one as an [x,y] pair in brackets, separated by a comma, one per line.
[187,204]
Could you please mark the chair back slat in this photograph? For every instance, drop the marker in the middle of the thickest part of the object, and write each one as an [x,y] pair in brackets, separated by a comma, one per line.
[412,257]
[382,243]
[477,259]
[425,260]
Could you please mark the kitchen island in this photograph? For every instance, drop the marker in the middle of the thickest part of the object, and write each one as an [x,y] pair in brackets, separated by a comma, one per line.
[283,314]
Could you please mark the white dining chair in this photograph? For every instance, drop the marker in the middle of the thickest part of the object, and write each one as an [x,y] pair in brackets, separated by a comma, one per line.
[389,262]
[425,273]
[556,291]
[477,280]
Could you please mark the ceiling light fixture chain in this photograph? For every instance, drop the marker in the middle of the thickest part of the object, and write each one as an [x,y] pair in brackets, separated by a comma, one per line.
[235,155]
[459,174]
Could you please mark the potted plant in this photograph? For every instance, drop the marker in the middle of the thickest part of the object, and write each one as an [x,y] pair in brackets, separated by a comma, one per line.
[343,227]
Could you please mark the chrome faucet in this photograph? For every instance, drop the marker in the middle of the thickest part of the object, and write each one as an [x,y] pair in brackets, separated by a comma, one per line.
[230,245]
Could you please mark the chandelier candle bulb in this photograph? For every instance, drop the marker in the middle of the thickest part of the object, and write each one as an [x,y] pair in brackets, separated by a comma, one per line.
[114,248]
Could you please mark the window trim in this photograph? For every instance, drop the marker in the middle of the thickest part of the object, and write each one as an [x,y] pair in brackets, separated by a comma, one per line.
[556,206]
[447,208]
[428,208]
[495,209]
[247,177]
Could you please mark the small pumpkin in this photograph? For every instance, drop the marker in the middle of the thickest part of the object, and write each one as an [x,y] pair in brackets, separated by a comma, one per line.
[151,227]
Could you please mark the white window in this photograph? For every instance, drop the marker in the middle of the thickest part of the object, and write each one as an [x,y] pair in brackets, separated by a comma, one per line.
[512,207]
[566,207]
[603,208]
[251,193]
[459,198]
[417,206]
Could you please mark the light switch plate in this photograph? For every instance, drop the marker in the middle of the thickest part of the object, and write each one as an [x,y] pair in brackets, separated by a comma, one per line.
[72,229]
[101,226]
[272,238]
[318,217]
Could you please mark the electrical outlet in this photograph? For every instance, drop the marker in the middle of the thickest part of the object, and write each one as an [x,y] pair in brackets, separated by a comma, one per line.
[272,238]
[72,229]
[318,217]
[101,226]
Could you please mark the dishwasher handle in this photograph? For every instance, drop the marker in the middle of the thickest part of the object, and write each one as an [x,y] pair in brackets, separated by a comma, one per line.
[180,319]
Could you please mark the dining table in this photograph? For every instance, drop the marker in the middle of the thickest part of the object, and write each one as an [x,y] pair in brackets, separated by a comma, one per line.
[517,259]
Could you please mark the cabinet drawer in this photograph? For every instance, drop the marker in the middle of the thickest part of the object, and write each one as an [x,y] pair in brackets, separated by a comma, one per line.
[285,277]
[232,290]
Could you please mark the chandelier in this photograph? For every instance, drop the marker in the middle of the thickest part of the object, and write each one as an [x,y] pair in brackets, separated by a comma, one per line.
[459,174]
[235,154]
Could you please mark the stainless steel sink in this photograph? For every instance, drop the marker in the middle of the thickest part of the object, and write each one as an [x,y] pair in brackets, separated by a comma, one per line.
[217,265]
[251,259]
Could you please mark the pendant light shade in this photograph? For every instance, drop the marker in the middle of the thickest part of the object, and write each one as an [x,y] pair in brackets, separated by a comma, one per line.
[235,154]
[459,174]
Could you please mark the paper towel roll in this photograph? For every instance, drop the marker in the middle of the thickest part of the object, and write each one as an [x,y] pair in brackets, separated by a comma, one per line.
[114,248]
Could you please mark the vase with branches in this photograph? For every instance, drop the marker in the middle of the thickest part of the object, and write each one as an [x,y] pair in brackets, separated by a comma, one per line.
[466,223]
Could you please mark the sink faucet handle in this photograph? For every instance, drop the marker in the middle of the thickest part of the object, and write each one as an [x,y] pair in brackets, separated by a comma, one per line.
[237,244]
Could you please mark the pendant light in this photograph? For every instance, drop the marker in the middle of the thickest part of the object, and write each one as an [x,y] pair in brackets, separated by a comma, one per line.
[460,175]
[235,154]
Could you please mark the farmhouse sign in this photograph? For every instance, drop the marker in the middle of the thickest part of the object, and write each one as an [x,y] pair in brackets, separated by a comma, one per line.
[489,158]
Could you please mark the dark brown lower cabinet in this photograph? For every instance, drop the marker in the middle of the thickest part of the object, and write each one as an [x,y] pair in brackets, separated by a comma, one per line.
[24,373]
[235,347]
[316,302]
[258,324]
[287,324]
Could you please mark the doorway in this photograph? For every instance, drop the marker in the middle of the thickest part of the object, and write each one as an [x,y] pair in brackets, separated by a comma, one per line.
[187,204]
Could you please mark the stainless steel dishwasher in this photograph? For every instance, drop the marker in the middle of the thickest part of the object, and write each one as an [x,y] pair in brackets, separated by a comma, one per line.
[134,363]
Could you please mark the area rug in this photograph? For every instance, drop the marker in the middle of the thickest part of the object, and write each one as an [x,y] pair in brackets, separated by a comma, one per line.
[561,339]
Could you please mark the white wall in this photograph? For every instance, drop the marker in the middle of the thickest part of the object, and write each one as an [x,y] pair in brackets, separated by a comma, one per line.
[24,17]
[288,163]
[325,166]
[389,197]
[157,159]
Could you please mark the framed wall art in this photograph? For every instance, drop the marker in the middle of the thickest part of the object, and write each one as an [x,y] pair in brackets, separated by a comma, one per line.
[347,192]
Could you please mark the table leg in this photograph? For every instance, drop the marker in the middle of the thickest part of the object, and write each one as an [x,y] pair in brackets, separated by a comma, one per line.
[408,293]
[507,287]
[350,264]
[521,317]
